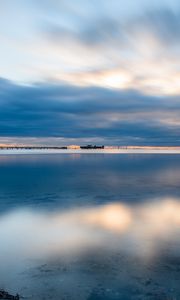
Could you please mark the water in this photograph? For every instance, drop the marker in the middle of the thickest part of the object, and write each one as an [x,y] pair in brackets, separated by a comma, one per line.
[90,226]
[51,181]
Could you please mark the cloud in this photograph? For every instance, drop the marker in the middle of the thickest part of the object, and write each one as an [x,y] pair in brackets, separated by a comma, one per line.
[107,45]
[89,113]
[91,72]
[140,52]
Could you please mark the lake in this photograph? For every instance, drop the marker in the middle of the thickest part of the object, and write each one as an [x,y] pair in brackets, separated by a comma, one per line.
[90,226]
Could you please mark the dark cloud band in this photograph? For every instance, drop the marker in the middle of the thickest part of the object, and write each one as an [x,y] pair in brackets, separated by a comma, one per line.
[52,110]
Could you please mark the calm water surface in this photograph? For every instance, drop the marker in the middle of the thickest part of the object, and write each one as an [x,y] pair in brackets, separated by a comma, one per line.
[106,225]
[65,180]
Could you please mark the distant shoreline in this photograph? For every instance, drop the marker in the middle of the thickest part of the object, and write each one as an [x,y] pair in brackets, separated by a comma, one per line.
[106,150]
[89,147]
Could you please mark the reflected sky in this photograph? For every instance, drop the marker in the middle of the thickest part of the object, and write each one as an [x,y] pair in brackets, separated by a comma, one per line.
[102,236]
[106,225]
[140,228]
[51,181]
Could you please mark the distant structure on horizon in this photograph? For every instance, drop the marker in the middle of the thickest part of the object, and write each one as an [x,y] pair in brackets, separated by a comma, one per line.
[92,147]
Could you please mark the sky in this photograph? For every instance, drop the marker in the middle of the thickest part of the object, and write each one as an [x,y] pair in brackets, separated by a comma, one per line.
[86,71]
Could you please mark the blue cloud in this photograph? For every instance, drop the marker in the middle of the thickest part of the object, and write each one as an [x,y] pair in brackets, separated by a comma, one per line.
[67,111]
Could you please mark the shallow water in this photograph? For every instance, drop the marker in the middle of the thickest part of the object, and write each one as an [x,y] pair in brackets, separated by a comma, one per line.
[79,226]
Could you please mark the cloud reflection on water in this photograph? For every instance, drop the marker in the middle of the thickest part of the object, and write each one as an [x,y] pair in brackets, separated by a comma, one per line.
[139,229]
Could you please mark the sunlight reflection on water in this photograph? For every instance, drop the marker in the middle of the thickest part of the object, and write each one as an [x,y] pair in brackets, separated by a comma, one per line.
[36,234]
[89,222]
